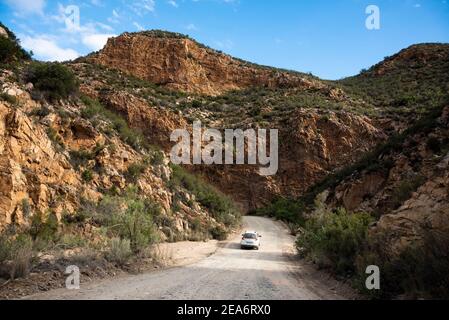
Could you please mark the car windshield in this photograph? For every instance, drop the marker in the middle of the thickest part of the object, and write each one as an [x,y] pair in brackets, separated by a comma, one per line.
[250,236]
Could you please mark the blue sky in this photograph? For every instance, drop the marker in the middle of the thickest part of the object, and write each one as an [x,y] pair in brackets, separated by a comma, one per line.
[325,37]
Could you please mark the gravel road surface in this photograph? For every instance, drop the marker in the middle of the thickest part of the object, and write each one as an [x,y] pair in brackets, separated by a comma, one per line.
[230,273]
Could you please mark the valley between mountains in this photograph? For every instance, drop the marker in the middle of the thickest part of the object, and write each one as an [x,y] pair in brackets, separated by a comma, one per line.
[86,178]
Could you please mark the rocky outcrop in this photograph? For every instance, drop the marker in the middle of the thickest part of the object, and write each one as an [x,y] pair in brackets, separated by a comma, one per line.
[182,64]
[317,143]
[46,150]
[312,144]
[427,211]
[410,196]
[156,124]
[31,169]
[313,141]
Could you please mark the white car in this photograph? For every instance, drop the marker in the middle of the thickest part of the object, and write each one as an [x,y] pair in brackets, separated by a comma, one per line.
[250,240]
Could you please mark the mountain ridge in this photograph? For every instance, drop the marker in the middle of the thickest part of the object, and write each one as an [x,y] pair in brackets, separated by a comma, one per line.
[181,63]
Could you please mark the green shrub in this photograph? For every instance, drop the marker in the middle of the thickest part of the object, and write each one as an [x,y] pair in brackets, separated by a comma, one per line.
[119,251]
[419,271]
[40,112]
[5,249]
[92,108]
[220,206]
[288,210]
[80,157]
[135,224]
[405,190]
[44,228]
[157,158]
[26,208]
[197,104]
[87,175]
[333,239]
[22,255]
[7,50]
[218,233]
[55,138]
[125,216]
[54,80]
[8,98]
[68,240]
[10,49]
[135,170]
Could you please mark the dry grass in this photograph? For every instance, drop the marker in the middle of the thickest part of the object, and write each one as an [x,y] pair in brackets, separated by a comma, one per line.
[119,251]
[161,255]
[21,261]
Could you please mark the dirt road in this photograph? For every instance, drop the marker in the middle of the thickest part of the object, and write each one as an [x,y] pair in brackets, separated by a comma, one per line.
[230,273]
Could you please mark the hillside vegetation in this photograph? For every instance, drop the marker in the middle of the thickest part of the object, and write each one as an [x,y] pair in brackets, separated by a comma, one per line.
[409,82]
[363,168]
[82,186]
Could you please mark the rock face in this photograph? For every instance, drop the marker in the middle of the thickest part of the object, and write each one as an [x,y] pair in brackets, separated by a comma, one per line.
[46,149]
[427,211]
[183,64]
[154,123]
[312,144]
[31,170]
[410,195]
[318,142]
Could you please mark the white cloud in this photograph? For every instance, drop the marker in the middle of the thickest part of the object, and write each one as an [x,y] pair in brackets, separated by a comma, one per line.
[148,5]
[138,26]
[104,26]
[115,17]
[96,41]
[139,7]
[224,45]
[47,50]
[191,26]
[173,3]
[23,7]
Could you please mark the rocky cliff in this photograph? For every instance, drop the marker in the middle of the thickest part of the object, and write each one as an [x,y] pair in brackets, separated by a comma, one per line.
[52,158]
[180,63]
[313,141]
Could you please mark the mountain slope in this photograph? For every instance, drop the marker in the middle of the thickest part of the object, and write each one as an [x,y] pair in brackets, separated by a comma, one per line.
[320,128]
[409,82]
[178,62]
